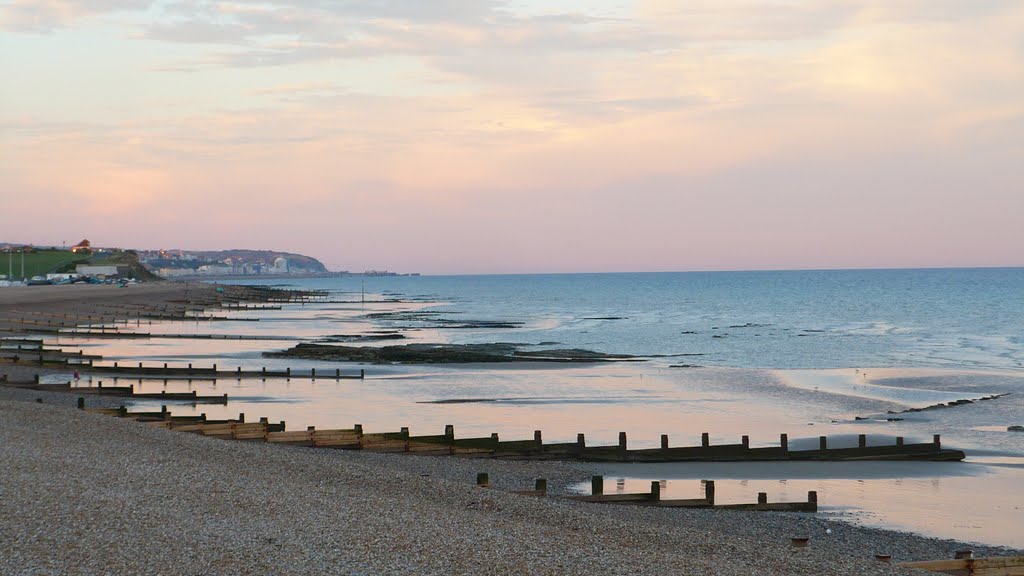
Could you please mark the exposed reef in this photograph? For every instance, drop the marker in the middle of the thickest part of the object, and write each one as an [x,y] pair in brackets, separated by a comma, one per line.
[443,354]
[434,320]
[373,337]
[954,403]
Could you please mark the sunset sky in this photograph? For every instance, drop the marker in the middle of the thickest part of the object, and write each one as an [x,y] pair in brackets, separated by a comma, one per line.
[465,136]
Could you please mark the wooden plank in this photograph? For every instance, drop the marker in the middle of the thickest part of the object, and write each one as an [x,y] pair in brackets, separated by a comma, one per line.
[336,439]
[428,448]
[488,443]
[298,437]
[995,566]
[686,503]
[471,451]
[772,507]
[613,498]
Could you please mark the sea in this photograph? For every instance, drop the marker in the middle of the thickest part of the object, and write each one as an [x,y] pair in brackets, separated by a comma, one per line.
[833,353]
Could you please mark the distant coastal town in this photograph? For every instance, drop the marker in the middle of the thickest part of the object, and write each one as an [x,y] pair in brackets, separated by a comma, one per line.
[85,262]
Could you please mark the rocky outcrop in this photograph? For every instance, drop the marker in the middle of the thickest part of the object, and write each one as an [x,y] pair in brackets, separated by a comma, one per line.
[443,354]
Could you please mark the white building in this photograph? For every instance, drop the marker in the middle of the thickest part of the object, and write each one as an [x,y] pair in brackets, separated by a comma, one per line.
[91,270]
[280,266]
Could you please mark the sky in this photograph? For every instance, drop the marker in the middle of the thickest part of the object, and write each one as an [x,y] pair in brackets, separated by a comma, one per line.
[492,136]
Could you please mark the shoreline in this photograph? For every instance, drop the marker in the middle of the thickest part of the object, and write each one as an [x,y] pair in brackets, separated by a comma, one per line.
[36,430]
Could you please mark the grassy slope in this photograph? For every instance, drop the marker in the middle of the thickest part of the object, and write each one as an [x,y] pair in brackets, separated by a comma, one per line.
[38,263]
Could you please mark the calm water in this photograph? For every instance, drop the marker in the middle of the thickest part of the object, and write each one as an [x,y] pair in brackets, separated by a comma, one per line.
[797,352]
[966,318]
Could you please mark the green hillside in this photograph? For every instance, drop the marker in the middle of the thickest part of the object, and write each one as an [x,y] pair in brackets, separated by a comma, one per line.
[37,263]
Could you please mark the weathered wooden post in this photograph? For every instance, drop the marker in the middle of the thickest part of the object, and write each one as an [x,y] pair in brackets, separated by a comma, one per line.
[449,431]
[238,373]
[597,485]
[312,373]
[541,485]
[705,440]
[36,379]
[337,373]
[937,441]
[81,403]
[622,442]
[362,374]
[963,554]
[241,417]
[899,440]
[745,441]
[115,364]
[822,443]
[264,420]
[784,442]
[288,372]
[664,441]
[310,428]
[862,441]
[581,441]
[538,440]
[483,480]
[140,365]
[264,373]
[655,490]
[762,497]
[709,492]
[812,499]
[215,368]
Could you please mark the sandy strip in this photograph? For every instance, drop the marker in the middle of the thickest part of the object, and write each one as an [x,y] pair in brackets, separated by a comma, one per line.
[69,297]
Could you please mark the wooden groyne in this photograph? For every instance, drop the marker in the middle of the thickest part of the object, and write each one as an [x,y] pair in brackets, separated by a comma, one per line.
[191,397]
[87,364]
[493,447]
[654,498]
[215,372]
[965,564]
